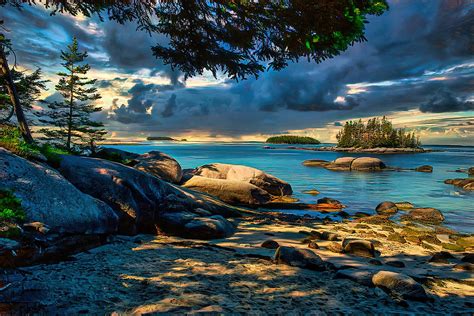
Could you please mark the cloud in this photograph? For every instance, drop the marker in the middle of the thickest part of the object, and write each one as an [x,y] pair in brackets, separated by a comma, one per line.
[169,107]
[444,101]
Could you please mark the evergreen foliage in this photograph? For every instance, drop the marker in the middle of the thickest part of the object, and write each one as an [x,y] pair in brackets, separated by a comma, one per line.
[289,139]
[73,128]
[376,133]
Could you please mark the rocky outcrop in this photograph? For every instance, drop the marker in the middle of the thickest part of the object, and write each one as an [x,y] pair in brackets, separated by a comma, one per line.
[115,154]
[358,247]
[160,165]
[47,197]
[302,258]
[400,285]
[229,191]
[466,184]
[365,164]
[425,168]
[386,208]
[378,150]
[140,199]
[258,178]
[426,215]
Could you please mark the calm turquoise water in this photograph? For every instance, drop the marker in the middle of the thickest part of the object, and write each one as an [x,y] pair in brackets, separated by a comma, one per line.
[359,191]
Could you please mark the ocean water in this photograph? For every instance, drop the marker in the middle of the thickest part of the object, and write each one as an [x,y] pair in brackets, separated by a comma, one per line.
[359,191]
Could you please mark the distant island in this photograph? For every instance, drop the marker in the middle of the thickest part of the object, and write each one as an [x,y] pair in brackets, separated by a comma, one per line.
[166,138]
[376,133]
[289,139]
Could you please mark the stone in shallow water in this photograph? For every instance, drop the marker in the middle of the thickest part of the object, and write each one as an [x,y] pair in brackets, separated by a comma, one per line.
[386,207]
[424,168]
[425,215]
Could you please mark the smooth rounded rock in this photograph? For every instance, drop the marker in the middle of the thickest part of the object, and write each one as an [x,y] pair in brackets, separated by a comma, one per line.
[270,244]
[386,208]
[367,164]
[359,247]
[400,285]
[160,165]
[424,168]
[302,258]
[425,215]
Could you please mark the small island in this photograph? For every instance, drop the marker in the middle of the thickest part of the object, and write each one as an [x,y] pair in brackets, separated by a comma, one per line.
[165,138]
[289,139]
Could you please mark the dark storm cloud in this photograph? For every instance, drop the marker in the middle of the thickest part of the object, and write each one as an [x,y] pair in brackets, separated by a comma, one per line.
[170,107]
[445,101]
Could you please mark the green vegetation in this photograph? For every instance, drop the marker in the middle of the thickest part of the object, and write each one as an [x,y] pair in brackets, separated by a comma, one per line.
[376,133]
[288,139]
[11,213]
[161,138]
[72,127]
[12,140]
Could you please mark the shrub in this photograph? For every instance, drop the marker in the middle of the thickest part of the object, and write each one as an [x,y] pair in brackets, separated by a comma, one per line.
[10,208]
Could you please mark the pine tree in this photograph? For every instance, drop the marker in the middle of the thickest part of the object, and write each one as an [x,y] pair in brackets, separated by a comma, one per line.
[72,126]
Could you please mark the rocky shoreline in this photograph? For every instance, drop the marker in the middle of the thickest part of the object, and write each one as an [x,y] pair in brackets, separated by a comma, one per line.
[157,238]
[361,150]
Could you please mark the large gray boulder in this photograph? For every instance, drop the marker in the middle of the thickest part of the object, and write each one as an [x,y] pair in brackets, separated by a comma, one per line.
[301,258]
[367,164]
[341,164]
[139,199]
[400,285]
[229,191]
[160,165]
[48,197]
[263,180]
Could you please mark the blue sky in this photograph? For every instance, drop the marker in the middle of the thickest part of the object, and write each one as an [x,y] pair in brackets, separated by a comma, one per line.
[417,68]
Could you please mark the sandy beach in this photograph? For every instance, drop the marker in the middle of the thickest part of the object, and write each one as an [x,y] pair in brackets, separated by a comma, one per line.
[158,274]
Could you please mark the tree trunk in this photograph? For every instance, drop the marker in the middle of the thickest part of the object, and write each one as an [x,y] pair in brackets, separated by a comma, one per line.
[20,115]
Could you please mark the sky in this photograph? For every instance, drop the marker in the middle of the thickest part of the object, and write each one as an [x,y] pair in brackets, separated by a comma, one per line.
[417,68]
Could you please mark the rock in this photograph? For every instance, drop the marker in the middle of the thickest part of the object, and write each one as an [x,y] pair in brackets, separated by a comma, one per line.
[452,247]
[316,163]
[470,171]
[358,276]
[466,266]
[138,198]
[395,263]
[311,192]
[466,184]
[334,247]
[375,262]
[8,244]
[359,247]
[441,257]
[468,258]
[330,203]
[115,154]
[47,197]
[329,236]
[367,164]
[400,285]
[229,191]
[302,258]
[466,242]
[404,205]
[425,215]
[189,225]
[375,219]
[386,208]
[36,226]
[270,244]
[258,178]
[313,245]
[160,165]
[424,168]
[396,237]
[341,164]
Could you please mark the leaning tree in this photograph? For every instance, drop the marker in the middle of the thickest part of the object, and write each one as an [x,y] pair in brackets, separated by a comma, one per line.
[238,38]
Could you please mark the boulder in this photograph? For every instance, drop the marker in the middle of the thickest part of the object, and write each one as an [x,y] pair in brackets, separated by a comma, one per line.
[358,276]
[47,197]
[316,163]
[425,168]
[441,257]
[470,171]
[367,164]
[229,191]
[302,258]
[335,247]
[313,245]
[139,199]
[466,184]
[160,165]
[258,178]
[426,215]
[358,247]
[341,164]
[386,208]
[400,285]
[466,266]
[189,225]
[404,205]
[270,244]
